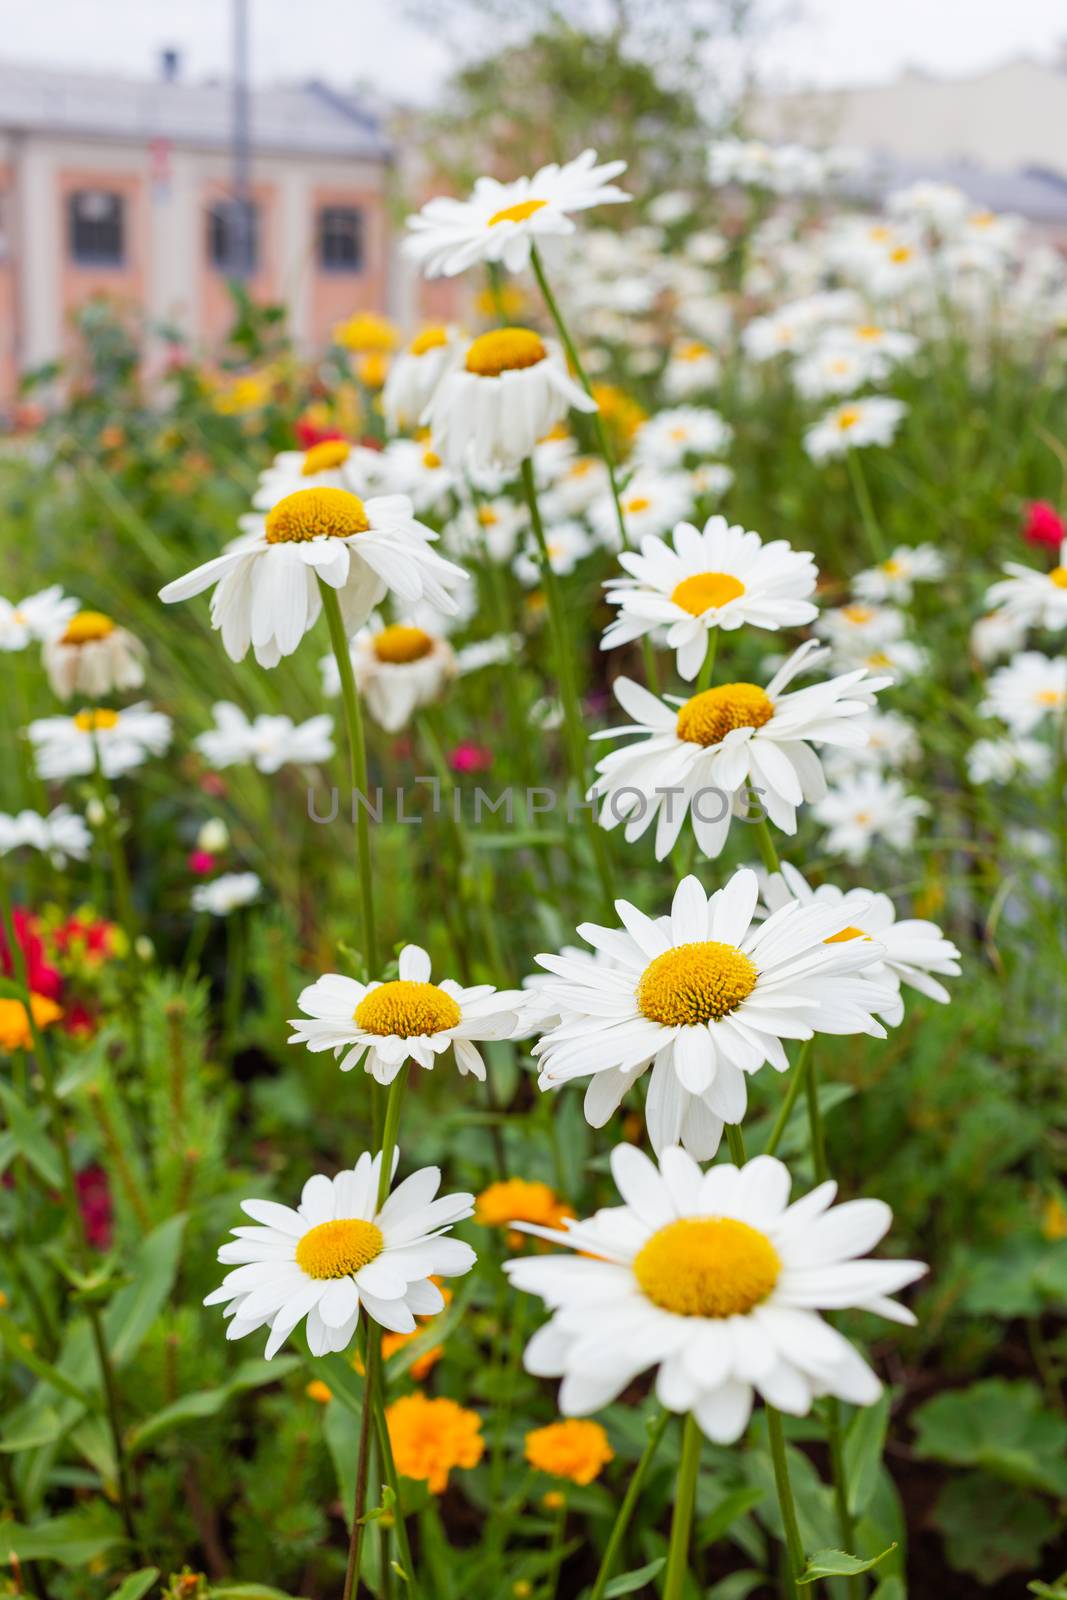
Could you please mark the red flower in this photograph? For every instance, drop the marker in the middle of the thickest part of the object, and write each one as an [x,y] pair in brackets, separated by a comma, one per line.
[94,1200]
[470,757]
[44,979]
[307,433]
[87,936]
[1043,525]
[201,862]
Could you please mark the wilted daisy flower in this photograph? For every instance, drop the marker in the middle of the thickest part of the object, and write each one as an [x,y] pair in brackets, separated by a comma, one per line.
[407,1018]
[691,369]
[271,742]
[415,374]
[117,741]
[713,1279]
[266,588]
[572,1449]
[1031,687]
[93,656]
[339,1251]
[509,390]
[707,997]
[722,577]
[896,577]
[230,892]
[37,618]
[652,502]
[665,440]
[1038,599]
[566,543]
[500,222]
[60,834]
[868,806]
[911,950]
[702,756]
[399,668]
[1002,760]
[429,1438]
[855,424]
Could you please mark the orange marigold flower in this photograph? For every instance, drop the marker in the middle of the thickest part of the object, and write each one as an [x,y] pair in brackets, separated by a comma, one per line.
[516,1200]
[430,1437]
[15,1024]
[319,1391]
[422,1365]
[573,1449]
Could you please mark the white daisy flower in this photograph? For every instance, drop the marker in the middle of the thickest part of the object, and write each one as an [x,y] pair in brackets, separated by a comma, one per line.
[832,369]
[227,893]
[399,668]
[511,388]
[896,577]
[39,617]
[716,1281]
[489,530]
[567,543]
[1002,760]
[1030,688]
[710,481]
[1037,599]
[93,656]
[413,468]
[415,373]
[330,464]
[890,345]
[703,756]
[665,440]
[997,634]
[59,835]
[939,205]
[722,577]
[339,1251]
[857,631]
[867,806]
[892,743]
[500,222]
[271,742]
[71,747]
[266,589]
[853,426]
[692,368]
[652,502]
[409,1018]
[912,950]
[705,997]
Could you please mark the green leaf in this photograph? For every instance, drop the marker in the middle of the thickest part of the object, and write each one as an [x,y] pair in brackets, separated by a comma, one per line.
[41,1428]
[1001,1426]
[1048,1591]
[73,1540]
[136,1585]
[250,1591]
[839,1564]
[135,1308]
[716,1524]
[739,1585]
[864,1443]
[30,1138]
[991,1528]
[12,1339]
[203,1403]
[627,1582]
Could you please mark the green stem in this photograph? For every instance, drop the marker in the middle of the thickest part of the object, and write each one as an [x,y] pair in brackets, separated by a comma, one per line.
[70,1189]
[392,1478]
[682,1519]
[357,757]
[768,854]
[871,527]
[392,1123]
[603,442]
[797,1080]
[708,665]
[371,1365]
[793,1542]
[626,1510]
[735,1141]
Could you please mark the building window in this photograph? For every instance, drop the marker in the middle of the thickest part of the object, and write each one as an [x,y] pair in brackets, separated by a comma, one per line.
[341,239]
[233,237]
[97,228]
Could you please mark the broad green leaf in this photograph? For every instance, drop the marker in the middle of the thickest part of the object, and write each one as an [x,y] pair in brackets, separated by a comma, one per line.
[13,1340]
[250,1591]
[41,1428]
[1001,1426]
[838,1564]
[136,1585]
[30,1138]
[73,1540]
[739,1585]
[1048,1591]
[716,1524]
[864,1443]
[992,1528]
[135,1308]
[203,1403]
[628,1582]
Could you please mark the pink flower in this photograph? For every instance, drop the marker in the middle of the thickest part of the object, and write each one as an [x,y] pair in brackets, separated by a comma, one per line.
[201,862]
[94,1201]
[470,757]
[1043,525]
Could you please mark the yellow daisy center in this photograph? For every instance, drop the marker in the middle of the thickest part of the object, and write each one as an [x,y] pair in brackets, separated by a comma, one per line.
[868,331]
[85,627]
[428,339]
[709,716]
[325,456]
[337,1249]
[900,254]
[695,983]
[639,502]
[892,568]
[846,935]
[400,644]
[857,614]
[408,1010]
[520,212]
[1058,576]
[848,418]
[705,589]
[707,1267]
[504,350]
[94,721]
[1048,697]
[316,514]
[692,352]
[487,517]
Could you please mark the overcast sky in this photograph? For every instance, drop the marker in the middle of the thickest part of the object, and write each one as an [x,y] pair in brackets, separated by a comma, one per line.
[344,41]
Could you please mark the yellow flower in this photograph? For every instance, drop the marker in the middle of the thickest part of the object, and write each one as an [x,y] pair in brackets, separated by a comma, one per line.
[371,369]
[507,302]
[319,1391]
[621,415]
[15,1025]
[367,333]
[430,1437]
[517,1200]
[574,1449]
[1054,1218]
